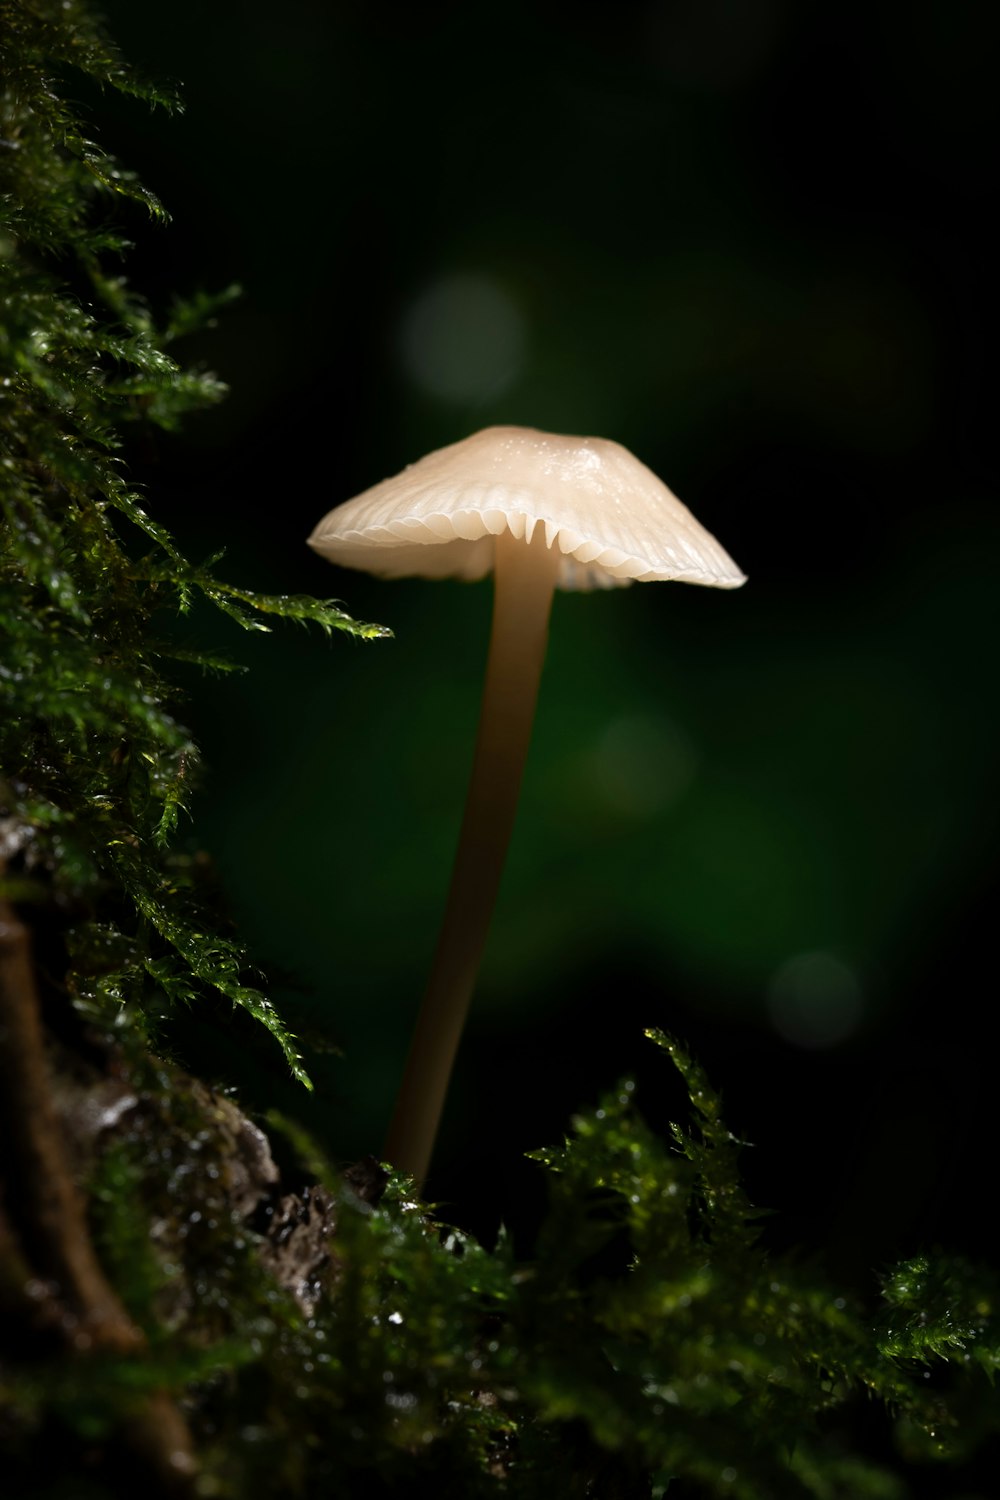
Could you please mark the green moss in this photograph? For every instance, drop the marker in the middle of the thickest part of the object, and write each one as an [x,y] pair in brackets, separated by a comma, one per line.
[647,1346]
[94,766]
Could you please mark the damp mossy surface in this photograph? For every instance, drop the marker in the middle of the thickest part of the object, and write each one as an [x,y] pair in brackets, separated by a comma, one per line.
[647,1346]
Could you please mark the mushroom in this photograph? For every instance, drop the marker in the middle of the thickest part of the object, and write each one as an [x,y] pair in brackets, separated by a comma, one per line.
[542,511]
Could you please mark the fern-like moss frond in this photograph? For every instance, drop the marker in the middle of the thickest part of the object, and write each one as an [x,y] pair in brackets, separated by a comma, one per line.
[95,767]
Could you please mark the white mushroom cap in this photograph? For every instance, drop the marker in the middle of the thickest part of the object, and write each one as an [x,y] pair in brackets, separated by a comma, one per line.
[609,515]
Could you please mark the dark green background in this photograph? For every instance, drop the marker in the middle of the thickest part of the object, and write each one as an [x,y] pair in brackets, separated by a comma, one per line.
[748,240]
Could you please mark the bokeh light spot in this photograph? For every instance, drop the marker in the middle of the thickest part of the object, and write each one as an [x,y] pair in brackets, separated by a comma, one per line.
[463,339]
[714,46]
[641,765]
[815,1000]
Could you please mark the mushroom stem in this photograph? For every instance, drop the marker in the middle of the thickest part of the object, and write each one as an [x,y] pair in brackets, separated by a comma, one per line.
[524,582]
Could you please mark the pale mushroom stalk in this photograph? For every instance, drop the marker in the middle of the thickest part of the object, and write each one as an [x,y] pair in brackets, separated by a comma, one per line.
[524,583]
[543,510]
